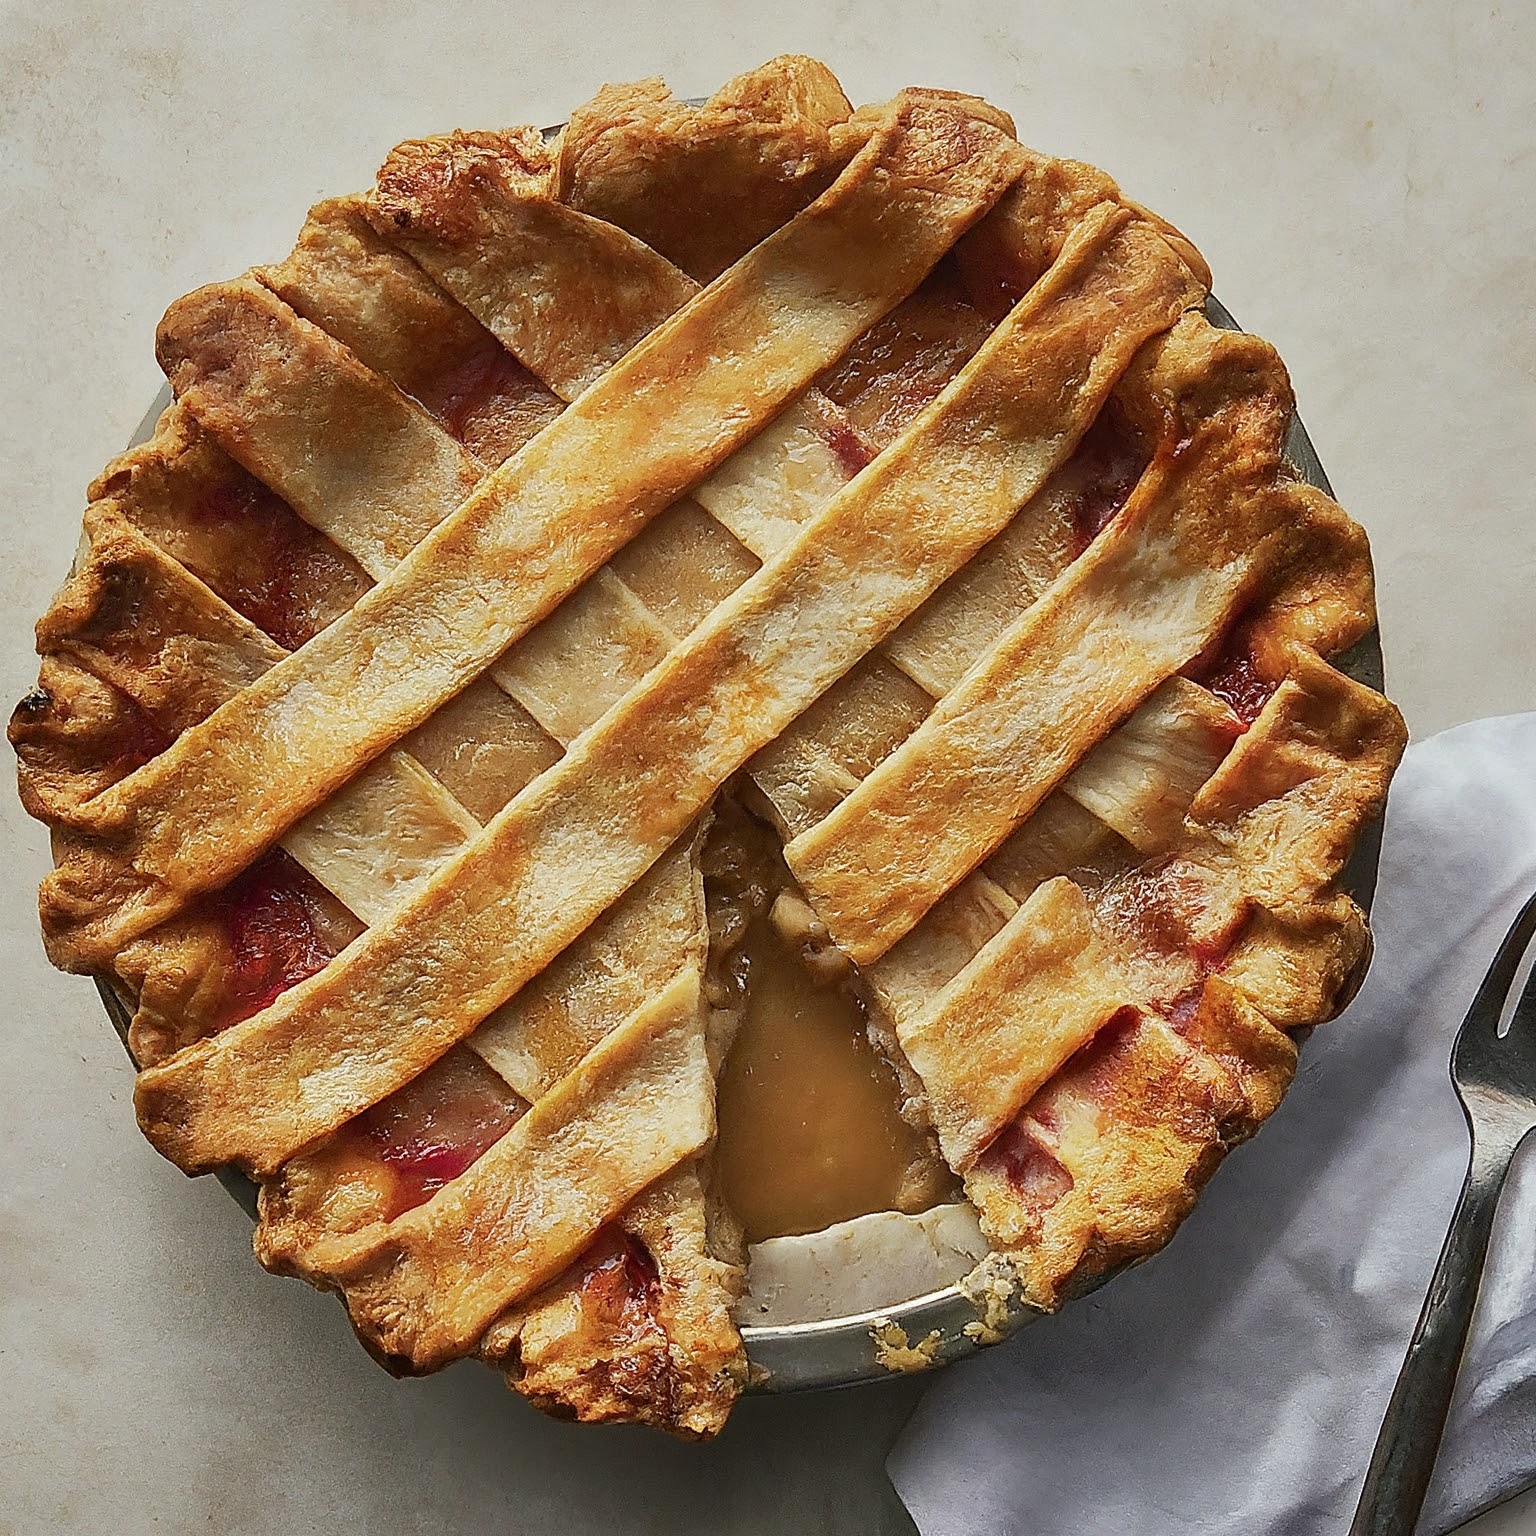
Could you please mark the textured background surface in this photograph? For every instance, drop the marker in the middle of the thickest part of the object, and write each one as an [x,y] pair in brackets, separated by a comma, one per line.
[1360,178]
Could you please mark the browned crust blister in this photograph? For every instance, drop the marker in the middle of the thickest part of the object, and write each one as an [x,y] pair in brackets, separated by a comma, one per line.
[483,545]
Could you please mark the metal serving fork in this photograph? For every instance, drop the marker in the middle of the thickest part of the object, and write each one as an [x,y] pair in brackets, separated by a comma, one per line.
[1495,1078]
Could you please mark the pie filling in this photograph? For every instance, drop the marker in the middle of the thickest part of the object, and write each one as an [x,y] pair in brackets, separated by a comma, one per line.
[515,683]
[1235,679]
[810,1126]
[428,1133]
[282,926]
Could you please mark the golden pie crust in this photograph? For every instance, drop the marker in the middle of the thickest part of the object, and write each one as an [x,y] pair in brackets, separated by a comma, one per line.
[867,465]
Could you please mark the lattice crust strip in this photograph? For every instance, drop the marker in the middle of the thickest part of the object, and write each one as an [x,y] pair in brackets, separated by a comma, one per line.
[1126,889]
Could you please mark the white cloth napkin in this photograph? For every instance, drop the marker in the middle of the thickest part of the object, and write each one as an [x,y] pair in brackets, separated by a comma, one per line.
[1236,1382]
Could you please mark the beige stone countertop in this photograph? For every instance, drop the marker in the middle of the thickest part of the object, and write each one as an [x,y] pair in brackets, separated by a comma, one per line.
[1360,177]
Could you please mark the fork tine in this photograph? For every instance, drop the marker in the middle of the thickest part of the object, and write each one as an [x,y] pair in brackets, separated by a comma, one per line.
[1522,1021]
[1483,1015]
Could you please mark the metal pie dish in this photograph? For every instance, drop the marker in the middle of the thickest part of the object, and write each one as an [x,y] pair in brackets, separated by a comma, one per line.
[929,1330]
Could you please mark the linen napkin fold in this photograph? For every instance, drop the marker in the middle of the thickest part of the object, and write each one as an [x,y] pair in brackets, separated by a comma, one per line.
[1236,1382]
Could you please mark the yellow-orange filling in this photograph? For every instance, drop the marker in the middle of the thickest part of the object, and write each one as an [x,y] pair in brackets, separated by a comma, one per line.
[810,1130]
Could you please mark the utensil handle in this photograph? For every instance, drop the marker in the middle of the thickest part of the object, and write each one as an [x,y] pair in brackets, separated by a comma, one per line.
[1409,1442]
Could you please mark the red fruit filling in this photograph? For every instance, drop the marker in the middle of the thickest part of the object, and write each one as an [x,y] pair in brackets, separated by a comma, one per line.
[437,1126]
[1237,683]
[1228,669]
[489,384]
[848,448]
[137,742]
[897,366]
[618,1287]
[1102,473]
[1031,1170]
[1181,1011]
[276,561]
[1097,1067]
[273,917]
[994,278]
[621,1284]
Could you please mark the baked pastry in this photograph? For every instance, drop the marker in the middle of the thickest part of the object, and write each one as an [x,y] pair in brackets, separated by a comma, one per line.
[588,561]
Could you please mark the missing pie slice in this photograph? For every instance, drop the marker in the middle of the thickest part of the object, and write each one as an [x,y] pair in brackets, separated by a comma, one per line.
[758,570]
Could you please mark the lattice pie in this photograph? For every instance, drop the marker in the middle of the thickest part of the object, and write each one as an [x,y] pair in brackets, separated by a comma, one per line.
[755,561]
